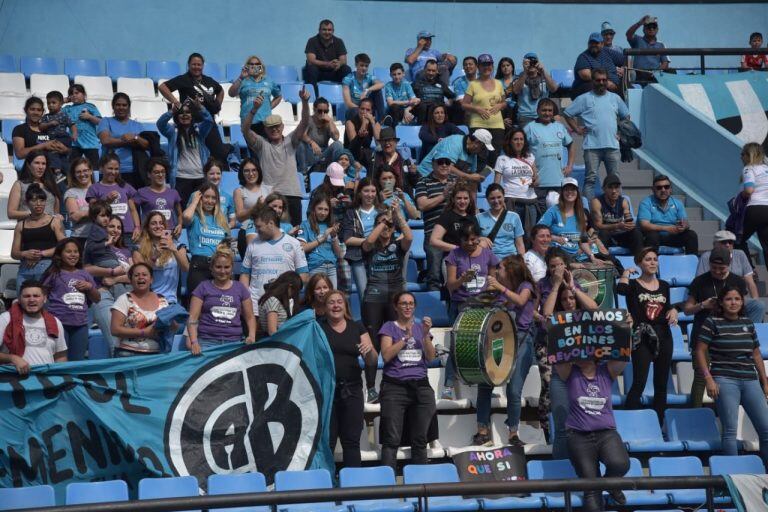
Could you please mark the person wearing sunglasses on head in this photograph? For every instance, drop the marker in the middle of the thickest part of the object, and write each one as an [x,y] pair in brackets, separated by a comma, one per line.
[739,266]
[251,84]
[315,152]
[663,220]
[648,40]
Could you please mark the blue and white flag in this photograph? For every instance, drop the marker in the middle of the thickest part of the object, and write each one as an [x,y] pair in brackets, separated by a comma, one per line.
[234,409]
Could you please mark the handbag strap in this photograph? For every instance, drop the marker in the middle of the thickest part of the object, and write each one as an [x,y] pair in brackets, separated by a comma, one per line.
[497,226]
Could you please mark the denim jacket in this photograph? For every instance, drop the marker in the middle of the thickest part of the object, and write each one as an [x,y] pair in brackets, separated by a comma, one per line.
[202,127]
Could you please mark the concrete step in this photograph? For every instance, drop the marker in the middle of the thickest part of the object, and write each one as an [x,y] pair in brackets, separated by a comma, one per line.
[694,212]
[636,178]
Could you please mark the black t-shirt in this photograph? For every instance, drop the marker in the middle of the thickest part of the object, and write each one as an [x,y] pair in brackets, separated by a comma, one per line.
[385,272]
[31,138]
[206,87]
[325,53]
[452,223]
[704,287]
[344,348]
[647,306]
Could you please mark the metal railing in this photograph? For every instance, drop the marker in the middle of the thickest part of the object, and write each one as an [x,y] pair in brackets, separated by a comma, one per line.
[422,493]
[702,53]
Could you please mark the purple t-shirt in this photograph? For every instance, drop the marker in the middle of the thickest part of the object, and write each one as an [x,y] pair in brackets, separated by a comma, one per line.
[544,288]
[590,406]
[524,313]
[481,263]
[64,301]
[409,363]
[220,316]
[165,202]
[119,206]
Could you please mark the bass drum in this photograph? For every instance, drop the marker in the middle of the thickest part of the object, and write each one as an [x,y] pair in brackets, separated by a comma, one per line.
[484,346]
[599,283]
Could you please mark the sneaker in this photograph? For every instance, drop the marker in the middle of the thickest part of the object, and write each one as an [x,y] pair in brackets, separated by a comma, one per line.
[447,393]
[373,396]
[618,497]
[482,439]
[515,441]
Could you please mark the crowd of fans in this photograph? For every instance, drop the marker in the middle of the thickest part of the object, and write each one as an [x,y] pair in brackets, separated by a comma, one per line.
[156,215]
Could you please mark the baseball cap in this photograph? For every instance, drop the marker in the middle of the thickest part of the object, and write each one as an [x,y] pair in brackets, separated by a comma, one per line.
[611,179]
[606,27]
[596,36]
[387,133]
[273,120]
[484,58]
[336,173]
[425,34]
[444,154]
[651,19]
[724,235]
[485,137]
[530,55]
[720,256]
[569,181]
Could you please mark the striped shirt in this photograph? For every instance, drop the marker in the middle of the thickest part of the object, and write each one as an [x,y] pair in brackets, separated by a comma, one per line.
[429,186]
[731,344]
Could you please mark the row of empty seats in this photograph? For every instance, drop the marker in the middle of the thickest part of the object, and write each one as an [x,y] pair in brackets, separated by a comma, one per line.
[414,474]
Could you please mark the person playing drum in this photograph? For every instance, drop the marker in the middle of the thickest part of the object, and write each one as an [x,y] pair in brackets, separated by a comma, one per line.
[406,347]
[468,268]
[516,290]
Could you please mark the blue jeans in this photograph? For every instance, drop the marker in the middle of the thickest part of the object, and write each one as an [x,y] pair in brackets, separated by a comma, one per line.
[592,158]
[213,343]
[434,264]
[524,360]
[103,317]
[558,396]
[328,269]
[749,394]
[360,277]
[77,341]
[755,310]
[29,272]
[306,158]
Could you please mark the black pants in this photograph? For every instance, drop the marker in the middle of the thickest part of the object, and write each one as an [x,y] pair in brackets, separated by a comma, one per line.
[414,398]
[294,209]
[216,146]
[374,315]
[199,271]
[632,240]
[396,112]
[642,357]
[688,240]
[91,154]
[347,421]
[313,74]
[756,221]
[186,187]
[587,450]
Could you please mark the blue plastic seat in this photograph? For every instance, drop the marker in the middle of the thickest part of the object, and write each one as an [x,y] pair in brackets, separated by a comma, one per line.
[564,77]
[302,480]
[229,181]
[354,305]
[43,65]
[736,465]
[412,283]
[369,477]
[13,498]
[679,466]
[409,135]
[237,484]
[553,470]
[8,126]
[638,498]
[281,74]
[482,203]
[213,70]
[96,492]
[162,69]
[316,179]
[84,67]
[669,251]
[236,136]
[7,64]
[641,432]
[696,428]
[291,91]
[679,351]
[761,329]
[627,261]
[679,294]
[647,398]
[172,487]
[417,246]
[382,74]
[678,270]
[438,473]
[97,348]
[429,304]
[117,68]
[331,92]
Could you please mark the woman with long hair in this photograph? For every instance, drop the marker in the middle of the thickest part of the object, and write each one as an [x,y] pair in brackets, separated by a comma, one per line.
[157,248]
[158,196]
[251,191]
[505,73]
[279,302]
[116,191]
[348,340]
[219,307]
[35,170]
[650,305]
[319,238]
[70,291]
[35,237]
[484,101]
[28,136]
[393,195]
[206,228]
[79,179]
[754,179]
[315,292]
[459,210]
[361,130]
[516,172]
[357,224]
[187,152]
[516,289]
[122,135]
[437,127]
[212,171]
[254,83]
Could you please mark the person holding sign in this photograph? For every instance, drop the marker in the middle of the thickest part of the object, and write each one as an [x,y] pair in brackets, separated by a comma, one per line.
[217,307]
[592,435]
[406,347]
[651,308]
[119,194]
[734,375]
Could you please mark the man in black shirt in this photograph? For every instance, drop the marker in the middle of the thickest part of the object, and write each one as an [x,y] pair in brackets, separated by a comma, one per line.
[326,57]
[195,85]
[702,301]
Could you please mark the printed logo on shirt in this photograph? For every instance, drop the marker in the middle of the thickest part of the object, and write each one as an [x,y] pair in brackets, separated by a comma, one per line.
[73,298]
[287,247]
[507,226]
[592,404]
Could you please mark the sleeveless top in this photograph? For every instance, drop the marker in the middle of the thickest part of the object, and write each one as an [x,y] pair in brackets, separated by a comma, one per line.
[40,238]
[611,214]
[50,199]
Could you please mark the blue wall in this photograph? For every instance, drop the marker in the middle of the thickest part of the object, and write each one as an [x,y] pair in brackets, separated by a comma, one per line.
[228,31]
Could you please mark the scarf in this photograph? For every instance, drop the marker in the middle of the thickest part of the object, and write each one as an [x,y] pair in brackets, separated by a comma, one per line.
[13,338]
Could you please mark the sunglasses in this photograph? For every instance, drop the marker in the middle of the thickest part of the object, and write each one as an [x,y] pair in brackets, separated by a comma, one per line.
[254,63]
[731,242]
[663,187]
[443,161]
[652,26]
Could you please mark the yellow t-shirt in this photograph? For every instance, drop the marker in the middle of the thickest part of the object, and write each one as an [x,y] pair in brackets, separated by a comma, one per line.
[484,99]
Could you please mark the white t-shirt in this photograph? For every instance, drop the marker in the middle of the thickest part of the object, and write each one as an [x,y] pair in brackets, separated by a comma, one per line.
[516,176]
[265,260]
[40,348]
[757,176]
[138,318]
[536,265]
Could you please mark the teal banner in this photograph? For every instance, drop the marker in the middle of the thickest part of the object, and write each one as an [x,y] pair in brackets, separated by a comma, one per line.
[234,409]
[736,101]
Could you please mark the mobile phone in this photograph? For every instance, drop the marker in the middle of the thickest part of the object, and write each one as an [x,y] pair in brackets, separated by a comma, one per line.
[167,233]
[389,186]
[485,171]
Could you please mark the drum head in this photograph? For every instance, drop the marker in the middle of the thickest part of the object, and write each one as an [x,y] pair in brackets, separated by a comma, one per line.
[590,283]
[500,350]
